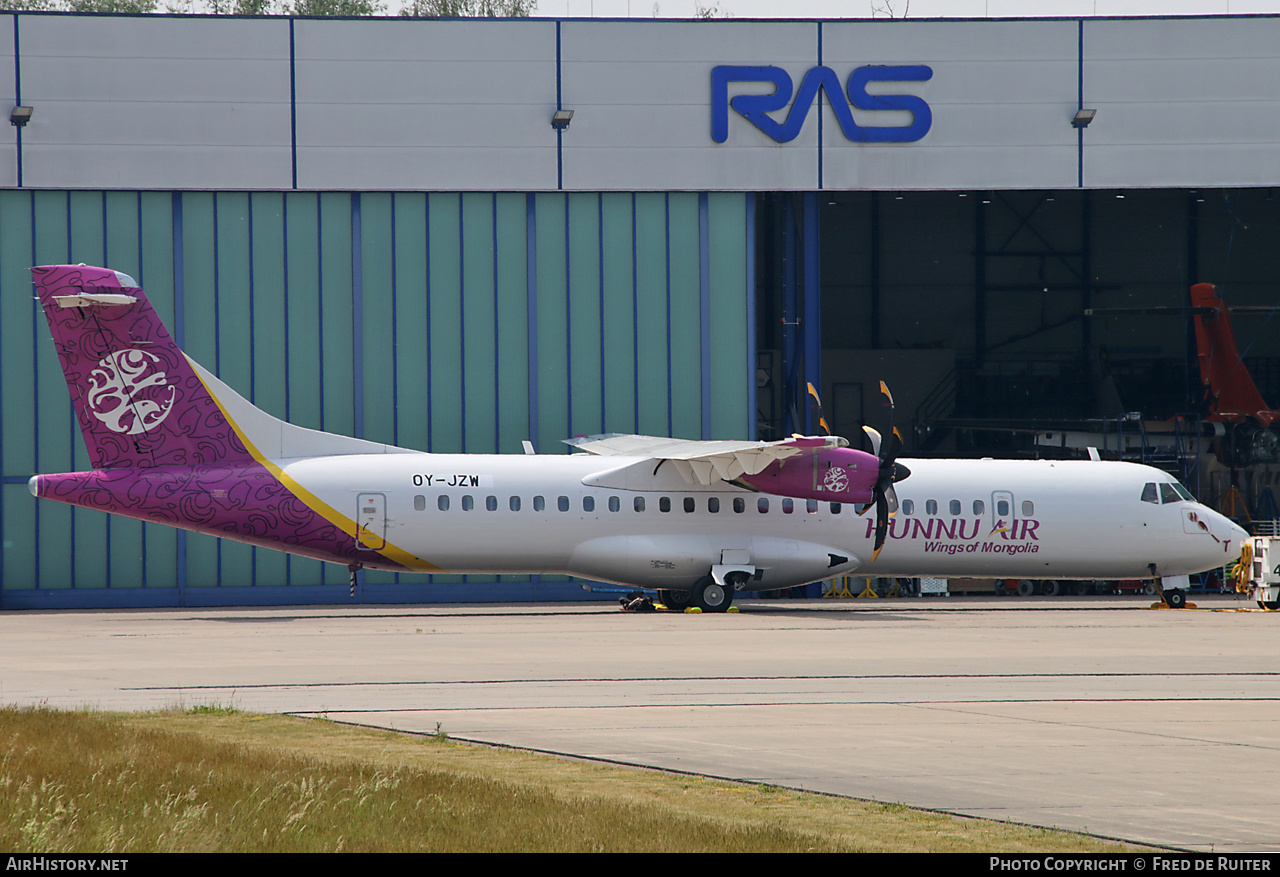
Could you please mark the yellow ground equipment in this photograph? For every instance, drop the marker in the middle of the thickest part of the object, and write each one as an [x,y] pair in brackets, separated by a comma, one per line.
[1258,570]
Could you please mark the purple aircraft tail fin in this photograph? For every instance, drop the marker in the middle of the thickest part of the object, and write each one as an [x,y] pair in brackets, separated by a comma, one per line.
[139,401]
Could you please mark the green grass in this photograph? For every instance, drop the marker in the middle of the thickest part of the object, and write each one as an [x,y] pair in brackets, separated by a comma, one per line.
[213,778]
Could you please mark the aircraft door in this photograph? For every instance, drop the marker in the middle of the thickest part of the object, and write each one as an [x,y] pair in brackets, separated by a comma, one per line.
[371,520]
[1003,514]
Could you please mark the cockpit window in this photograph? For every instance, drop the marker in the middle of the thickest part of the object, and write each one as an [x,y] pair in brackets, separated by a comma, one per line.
[1183,492]
[1167,493]
[1149,493]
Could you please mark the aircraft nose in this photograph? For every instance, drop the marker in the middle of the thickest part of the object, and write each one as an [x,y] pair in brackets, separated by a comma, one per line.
[1229,532]
[1238,535]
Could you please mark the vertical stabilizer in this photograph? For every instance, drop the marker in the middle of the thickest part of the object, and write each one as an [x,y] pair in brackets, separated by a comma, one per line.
[1233,396]
[139,402]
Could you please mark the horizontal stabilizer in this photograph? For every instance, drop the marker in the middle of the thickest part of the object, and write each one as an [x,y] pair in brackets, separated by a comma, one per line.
[93,298]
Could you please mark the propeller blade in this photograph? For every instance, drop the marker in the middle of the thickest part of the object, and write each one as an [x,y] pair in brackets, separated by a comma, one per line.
[888,409]
[885,390]
[882,523]
[895,446]
[875,440]
[822,421]
[886,449]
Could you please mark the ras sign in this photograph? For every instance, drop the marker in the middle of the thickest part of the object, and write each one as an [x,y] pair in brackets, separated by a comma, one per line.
[756,107]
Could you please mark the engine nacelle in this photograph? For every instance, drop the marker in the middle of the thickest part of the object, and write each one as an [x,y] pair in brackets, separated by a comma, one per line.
[675,562]
[831,475]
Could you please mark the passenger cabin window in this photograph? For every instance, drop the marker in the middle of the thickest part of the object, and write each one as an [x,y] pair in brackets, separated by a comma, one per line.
[811,506]
[588,503]
[664,504]
[713,504]
[562,503]
[689,504]
[739,505]
[1002,507]
[491,503]
[639,503]
[978,507]
[762,504]
[419,503]
[955,507]
[468,503]
[788,506]
[835,508]
[443,503]
[539,504]
[615,504]
[931,507]
[908,507]
[1028,508]
[514,503]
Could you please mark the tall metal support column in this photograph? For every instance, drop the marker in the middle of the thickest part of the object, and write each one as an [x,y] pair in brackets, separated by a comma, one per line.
[875,270]
[980,279]
[790,318]
[1086,274]
[1190,362]
[812,323]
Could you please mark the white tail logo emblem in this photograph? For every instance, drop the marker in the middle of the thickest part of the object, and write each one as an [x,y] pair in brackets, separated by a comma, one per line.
[128,393]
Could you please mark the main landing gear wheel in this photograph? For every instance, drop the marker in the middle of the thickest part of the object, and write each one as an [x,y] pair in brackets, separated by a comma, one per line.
[1175,599]
[676,600]
[709,596]
[1026,588]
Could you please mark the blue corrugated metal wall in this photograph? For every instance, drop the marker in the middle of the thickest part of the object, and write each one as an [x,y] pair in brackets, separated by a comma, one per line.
[446,322]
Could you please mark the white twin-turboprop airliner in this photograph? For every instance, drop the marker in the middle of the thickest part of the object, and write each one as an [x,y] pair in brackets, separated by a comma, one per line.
[696,520]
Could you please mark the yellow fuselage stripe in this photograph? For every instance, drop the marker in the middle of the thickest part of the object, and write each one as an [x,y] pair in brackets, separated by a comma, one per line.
[315,503]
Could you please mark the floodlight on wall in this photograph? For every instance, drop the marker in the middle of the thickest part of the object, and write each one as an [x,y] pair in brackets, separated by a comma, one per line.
[1082,118]
[561,119]
[19,116]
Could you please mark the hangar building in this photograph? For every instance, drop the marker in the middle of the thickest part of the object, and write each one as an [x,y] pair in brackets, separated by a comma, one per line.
[393,228]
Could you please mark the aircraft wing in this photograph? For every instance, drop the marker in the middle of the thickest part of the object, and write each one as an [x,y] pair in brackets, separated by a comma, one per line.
[705,462]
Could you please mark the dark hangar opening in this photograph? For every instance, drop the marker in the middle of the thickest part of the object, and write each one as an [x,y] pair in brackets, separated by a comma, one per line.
[972,306]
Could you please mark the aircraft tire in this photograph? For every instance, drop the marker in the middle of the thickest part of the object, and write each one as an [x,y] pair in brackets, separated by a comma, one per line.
[1175,599]
[677,600]
[1026,588]
[1269,604]
[1050,588]
[711,597]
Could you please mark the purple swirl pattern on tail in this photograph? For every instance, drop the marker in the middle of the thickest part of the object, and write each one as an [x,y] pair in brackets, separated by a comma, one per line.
[161,448]
[137,399]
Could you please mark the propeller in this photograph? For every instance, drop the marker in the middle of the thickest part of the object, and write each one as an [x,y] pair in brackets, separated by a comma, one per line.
[886,451]
[821,420]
